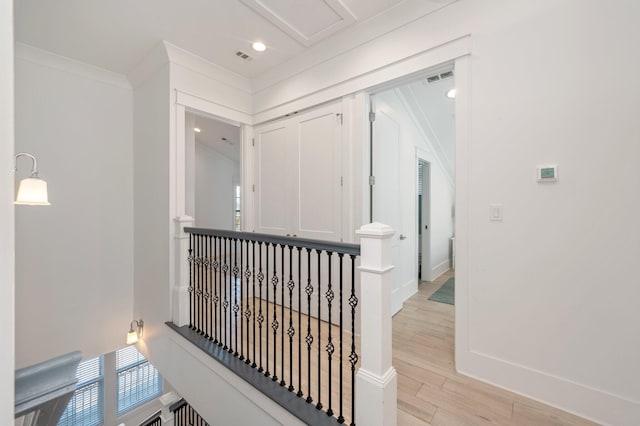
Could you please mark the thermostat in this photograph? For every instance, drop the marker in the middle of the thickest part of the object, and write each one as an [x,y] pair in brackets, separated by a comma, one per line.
[547,173]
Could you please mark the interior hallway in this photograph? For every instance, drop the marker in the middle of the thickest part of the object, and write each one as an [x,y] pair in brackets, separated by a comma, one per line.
[430,392]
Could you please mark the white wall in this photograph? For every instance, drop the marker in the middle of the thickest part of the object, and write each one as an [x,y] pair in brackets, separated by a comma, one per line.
[74,259]
[215,176]
[548,302]
[7,248]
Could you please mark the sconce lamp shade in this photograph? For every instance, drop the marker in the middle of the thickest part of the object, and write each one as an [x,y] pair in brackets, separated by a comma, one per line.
[132,337]
[32,192]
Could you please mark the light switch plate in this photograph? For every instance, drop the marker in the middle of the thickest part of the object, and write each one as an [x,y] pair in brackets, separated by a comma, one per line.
[495,212]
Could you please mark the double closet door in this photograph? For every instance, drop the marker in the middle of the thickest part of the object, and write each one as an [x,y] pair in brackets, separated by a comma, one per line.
[298,170]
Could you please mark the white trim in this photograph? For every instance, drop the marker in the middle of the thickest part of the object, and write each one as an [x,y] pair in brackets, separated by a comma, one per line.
[61,63]
[269,109]
[440,269]
[220,112]
[566,395]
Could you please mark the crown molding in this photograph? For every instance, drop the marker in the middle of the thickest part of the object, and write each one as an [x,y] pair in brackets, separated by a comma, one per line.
[52,60]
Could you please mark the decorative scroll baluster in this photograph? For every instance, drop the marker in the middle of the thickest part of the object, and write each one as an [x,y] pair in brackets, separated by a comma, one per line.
[260,317]
[191,278]
[199,286]
[299,322]
[290,331]
[340,399]
[329,348]
[319,404]
[282,382]
[216,286]
[241,300]
[229,339]
[309,339]
[236,307]
[253,283]
[266,364]
[225,302]
[275,324]
[353,356]
[207,297]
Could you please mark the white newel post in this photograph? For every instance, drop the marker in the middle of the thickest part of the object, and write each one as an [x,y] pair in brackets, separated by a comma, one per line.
[180,311]
[376,380]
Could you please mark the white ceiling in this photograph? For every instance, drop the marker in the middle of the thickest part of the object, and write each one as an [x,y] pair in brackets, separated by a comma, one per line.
[117,34]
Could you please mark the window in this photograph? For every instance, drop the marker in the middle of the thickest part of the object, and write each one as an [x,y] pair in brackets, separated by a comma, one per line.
[236,213]
[137,380]
[85,406]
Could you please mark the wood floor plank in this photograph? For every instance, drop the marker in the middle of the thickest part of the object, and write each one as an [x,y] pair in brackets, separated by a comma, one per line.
[423,354]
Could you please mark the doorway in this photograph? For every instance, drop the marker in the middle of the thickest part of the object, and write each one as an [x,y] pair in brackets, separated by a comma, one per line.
[413,178]
[213,172]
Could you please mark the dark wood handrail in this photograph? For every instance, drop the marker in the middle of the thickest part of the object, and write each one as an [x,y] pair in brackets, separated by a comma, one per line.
[346,248]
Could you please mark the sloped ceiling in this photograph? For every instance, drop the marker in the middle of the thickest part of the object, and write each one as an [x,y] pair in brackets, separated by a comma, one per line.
[434,113]
[117,34]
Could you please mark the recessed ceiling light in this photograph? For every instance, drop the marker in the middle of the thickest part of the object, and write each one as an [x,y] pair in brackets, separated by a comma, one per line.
[259,46]
[197,129]
[451,93]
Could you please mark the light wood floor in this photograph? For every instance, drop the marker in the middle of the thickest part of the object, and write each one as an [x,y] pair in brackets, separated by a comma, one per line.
[430,392]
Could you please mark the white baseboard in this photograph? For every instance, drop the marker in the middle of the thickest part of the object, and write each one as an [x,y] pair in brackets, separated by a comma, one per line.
[593,404]
[440,269]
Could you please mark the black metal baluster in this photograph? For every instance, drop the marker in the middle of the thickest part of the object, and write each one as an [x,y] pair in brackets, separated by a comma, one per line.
[353,356]
[299,322]
[340,412]
[241,301]
[236,308]
[274,281]
[207,294]
[274,324]
[330,347]
[247,310]
[229,339]
[191,273]
[282,382]
[291,331]
[260,317]
[211,281]
[216,286]
[309,339]
[266,364]
[225,302]
[199,286]
[319,404]
[253,283]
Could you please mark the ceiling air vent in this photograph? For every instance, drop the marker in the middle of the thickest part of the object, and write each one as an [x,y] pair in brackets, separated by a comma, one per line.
[240,54]
[433,78]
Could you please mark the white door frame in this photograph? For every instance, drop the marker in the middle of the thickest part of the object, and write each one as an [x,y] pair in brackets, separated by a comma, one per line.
[426,220]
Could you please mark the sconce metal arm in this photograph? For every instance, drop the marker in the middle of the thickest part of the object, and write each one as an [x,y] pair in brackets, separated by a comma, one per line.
[34,169]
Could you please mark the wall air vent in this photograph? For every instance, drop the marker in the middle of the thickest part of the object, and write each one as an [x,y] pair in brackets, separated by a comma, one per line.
[438,77]
[240,54]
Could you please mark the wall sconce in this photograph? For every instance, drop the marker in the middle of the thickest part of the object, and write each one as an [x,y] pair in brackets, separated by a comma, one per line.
[32,190]
[135,333]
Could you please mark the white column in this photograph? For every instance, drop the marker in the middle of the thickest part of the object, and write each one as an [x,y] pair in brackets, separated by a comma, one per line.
[180,296]
[376,380]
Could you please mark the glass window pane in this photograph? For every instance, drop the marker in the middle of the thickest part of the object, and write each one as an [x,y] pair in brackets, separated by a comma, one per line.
[86,405]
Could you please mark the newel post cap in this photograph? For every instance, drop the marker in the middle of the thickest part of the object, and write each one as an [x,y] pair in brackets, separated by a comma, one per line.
[376,230]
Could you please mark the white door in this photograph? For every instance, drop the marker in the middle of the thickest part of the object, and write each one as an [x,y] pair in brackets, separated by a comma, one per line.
[317,195]
[298,175]
[273,188]
[386,191]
